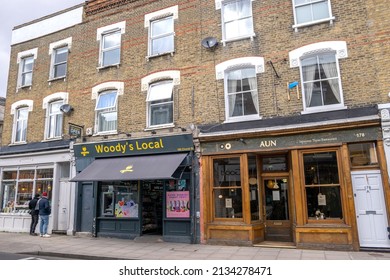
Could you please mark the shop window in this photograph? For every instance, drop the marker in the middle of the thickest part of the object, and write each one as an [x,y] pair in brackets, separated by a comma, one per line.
[227,189]
[18,187]
[363,154]
[253,188]
[119,199]
[322,186]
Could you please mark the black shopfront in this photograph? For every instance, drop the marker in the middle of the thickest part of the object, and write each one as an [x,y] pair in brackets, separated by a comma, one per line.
[138,187]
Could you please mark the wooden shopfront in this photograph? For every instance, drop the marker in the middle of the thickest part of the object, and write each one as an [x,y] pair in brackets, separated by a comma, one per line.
[303,190]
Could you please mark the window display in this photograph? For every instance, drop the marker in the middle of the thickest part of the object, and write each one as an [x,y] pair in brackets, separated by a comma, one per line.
[19,186]
[322,186]
[363,154]
[227,190]
[119,199]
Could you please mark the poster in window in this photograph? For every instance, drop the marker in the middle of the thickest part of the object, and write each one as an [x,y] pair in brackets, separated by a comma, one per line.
[178,204]
[126,206]
[321,199]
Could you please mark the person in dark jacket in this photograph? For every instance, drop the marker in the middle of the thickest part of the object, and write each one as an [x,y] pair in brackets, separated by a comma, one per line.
[34,212]
[44,213]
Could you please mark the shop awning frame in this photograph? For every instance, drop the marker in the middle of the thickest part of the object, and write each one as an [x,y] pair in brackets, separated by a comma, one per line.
[151,167]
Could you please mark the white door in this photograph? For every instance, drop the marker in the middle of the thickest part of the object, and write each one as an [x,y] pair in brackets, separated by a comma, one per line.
[370,209]
[63,205]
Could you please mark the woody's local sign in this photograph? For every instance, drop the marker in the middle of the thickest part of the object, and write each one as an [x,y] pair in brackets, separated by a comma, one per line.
[169,144]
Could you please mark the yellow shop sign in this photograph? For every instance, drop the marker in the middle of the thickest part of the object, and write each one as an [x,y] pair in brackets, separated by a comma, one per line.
[126,146]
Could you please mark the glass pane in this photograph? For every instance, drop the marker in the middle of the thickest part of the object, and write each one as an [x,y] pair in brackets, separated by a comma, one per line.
[161,114]
[249,103]
[162,45]
[107,121]
[253,188]
[111,40]
[363,154]
[275,163]
[25,190]
[9,175]
[228,203]
[227,172]
[232,30]
[61,55]
[44,186]
[28,64]
[320,10]
[106,100]
[162,27]
[8,199]
[111,57]
[44,173]
[27,79]
[324,203]
[276,199]
[304,14]
[26,174]
[321,168]
[60,70]
[160,91]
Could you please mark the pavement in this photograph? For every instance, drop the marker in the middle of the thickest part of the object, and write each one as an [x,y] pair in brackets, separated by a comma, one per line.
[85,247]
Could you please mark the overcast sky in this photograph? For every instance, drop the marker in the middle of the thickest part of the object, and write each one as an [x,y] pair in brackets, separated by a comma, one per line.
[16,12]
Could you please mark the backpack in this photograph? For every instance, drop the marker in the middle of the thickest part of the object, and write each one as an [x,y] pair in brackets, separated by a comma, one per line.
[37,205]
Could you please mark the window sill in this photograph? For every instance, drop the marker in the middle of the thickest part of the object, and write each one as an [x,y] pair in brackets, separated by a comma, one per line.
[56,79]
[18,143]
[51,139]
[330,20]
[249,36]
[24,87]
[243,119]
[159,54]
[151,128]
[105,133]
[108,66]
[322,109]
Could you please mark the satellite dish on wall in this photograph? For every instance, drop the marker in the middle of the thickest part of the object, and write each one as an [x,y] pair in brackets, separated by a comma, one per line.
[209,42]
[66,108]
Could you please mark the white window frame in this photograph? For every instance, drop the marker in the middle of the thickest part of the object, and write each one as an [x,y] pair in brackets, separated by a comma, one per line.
[220,4]
[153,101]
[339,48]
[52,123]
[104,110]
[104,32]
[53,50]
[257,63]
[296,25]
[21,59]
[150,19]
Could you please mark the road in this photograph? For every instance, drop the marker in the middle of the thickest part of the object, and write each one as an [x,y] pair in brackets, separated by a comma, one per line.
[10,256]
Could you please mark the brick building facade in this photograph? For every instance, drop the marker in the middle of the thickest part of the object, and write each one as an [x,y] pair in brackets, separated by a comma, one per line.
[122,56]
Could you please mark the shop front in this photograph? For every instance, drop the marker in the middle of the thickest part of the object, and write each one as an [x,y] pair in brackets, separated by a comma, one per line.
[36,168]
[312,189]
[138,187]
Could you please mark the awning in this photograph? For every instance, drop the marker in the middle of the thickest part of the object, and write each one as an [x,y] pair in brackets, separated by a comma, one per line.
[131,168]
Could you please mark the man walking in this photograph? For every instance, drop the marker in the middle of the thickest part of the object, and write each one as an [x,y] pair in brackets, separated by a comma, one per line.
[44,212]
[34,211]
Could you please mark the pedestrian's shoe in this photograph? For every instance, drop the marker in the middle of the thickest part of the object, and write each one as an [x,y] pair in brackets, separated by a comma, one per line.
[41,235]
[33,234]
[46,235]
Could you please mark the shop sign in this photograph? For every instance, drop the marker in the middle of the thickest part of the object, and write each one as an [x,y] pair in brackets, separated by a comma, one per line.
[298,140]
[177,143]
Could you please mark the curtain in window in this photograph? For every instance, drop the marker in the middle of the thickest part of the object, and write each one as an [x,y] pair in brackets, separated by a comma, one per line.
[162,36]
[21,125]
[329,66]
[106,110]
[308,72]
[55,120]
[253,88]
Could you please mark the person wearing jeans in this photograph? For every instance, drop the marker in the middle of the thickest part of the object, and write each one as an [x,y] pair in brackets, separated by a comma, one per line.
[44,213]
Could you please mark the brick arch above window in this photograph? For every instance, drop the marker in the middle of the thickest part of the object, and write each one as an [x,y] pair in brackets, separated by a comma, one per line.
[22,103]
[340,47]
[53,97]
[118,86]
[159,76]
[241,62]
